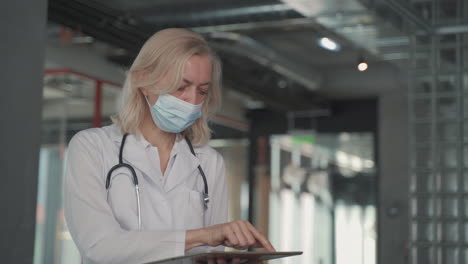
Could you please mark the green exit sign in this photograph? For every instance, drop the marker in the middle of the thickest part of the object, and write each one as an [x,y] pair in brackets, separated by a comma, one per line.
[303,139]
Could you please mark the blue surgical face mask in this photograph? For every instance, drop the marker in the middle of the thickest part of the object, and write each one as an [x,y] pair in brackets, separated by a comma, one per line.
[172,114]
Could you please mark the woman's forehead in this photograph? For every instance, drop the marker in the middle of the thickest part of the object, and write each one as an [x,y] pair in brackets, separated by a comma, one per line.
[198,69]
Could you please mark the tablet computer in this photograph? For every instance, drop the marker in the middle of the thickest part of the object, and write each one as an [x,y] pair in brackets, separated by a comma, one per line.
[208,257]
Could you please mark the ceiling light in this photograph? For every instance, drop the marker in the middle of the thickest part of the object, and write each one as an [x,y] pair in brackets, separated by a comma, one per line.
[329,44]
[282,83]
[362,65]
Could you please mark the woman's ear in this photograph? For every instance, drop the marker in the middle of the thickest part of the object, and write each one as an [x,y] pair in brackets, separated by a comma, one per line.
[143,91]
[139,75]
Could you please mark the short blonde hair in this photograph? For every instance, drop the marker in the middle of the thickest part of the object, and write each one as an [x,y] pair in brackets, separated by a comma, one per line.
[164,55]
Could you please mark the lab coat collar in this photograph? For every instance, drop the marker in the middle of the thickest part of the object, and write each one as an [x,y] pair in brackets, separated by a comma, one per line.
[185,163]
[134,152]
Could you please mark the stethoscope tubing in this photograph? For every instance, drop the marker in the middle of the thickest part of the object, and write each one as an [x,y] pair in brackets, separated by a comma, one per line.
[121,164]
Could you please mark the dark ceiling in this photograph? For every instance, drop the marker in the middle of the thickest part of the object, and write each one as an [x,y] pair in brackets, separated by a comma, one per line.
[269,50]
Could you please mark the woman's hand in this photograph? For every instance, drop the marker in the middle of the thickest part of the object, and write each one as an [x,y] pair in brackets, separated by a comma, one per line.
[237,234]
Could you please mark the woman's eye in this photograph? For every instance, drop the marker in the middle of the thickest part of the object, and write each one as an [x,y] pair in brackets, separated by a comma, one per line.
[203,92]
[181,88]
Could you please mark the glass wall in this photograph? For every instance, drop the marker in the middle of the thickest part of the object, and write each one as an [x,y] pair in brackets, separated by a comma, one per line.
[69,106]
[234,152]
[322,198]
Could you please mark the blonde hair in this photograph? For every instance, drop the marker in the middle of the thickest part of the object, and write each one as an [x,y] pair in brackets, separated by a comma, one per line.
[164,55]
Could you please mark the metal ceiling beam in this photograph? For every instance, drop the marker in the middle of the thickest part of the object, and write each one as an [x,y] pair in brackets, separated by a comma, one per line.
[282,23]
[103,23]
[365,29]
[341,24]
[220,16]
[260,25]
[408,13]
[453,29]
[267,57]
[119,29]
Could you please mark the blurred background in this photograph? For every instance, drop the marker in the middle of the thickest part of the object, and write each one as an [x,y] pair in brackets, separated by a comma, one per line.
[343,127]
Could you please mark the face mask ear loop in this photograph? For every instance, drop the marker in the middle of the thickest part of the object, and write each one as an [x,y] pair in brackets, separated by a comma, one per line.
[146,98]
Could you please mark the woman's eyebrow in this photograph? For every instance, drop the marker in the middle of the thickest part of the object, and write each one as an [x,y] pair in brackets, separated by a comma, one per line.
[202,84]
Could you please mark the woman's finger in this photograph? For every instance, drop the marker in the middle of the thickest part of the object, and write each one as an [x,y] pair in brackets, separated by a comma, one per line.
[210,260]
[256,262]
[260,238]
[247,233]
[221,260]
[230,238]
[237,228]
[235,261]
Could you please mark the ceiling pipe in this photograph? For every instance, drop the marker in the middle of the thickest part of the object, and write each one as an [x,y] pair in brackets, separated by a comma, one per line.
[366,29]
[222,16]
[131,33]
[267,57]
[348,26]
[405,11]
[282,23]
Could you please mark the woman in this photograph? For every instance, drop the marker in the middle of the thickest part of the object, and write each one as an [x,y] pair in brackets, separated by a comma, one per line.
[171,91]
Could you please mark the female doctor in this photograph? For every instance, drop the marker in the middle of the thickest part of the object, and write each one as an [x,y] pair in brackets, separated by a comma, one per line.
[148,187]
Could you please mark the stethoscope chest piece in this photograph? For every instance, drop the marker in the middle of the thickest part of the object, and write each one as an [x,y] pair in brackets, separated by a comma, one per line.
[206,200]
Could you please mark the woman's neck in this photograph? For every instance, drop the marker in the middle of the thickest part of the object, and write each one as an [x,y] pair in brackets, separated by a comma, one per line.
[163,140]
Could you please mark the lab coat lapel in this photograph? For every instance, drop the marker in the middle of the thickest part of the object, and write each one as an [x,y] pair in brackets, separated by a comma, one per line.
[185,165]
[134,154]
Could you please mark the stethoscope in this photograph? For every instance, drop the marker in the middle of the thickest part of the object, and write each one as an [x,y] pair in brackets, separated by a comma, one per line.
[121,164]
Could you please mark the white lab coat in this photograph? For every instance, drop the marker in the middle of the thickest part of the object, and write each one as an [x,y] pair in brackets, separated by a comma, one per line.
[107,231]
